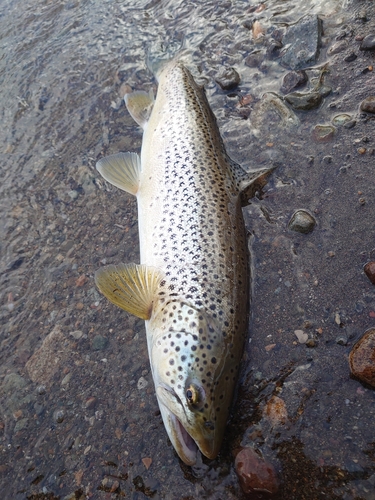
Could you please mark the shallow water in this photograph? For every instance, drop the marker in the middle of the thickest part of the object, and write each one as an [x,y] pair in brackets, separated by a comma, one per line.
[79,415]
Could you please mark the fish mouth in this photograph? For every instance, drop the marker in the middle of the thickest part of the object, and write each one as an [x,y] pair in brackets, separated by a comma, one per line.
[184,444]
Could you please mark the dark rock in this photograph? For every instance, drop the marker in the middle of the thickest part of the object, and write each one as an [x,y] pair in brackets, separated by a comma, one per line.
[369,270]
[368,105]
[228,79]
[302,222]
[368,43]
[304,101]
[99,343]
[302,43]
[255,474]
[273,49]
[350,57]
[254,59]
[362,358]
[293,80]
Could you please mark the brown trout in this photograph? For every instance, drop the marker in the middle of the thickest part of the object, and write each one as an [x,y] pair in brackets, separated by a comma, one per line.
[192,285]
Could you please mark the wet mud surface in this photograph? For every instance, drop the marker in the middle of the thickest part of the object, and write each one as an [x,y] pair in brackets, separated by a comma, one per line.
[79,418]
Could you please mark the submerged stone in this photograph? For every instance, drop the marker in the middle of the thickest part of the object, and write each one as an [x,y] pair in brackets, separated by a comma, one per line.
[368,43]
[302,43]
[302,222]
[228,79]
[362,358]
[368,104]
[340,120]
[304,101]
[292,80]
[323,133]
[255,474]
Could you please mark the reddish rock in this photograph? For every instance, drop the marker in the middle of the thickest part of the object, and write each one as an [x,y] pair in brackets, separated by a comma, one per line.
[369,270]
[362,358]
[255,474]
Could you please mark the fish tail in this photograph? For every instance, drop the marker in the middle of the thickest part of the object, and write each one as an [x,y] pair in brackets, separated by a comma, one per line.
[161,55]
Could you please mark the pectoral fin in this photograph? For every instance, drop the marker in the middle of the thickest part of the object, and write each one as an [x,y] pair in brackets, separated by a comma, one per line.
[130,286]
[139,104]
[122,170]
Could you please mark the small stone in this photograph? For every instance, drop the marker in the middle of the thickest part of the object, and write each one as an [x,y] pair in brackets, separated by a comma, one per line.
[275,411]
[90,402]
[147,461]
[304,101]
[302,222]
[99,343]
[73,194]
[58,416]
[323,133]
[368,105]
[369,270]
[368,43]
[341,340]
[350,57]
[340,120]
[228,79]
[81,280]
[142,383]
[311,342]
[362,358]
[77,334]
[337,47]
[21,424]
[255,474]
[301,336]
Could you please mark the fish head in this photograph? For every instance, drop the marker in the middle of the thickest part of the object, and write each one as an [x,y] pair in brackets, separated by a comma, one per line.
[190,365]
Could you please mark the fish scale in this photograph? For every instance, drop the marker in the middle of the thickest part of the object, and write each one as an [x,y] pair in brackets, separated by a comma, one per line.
[192,286]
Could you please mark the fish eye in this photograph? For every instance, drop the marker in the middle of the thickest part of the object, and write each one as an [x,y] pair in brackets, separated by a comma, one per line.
[192,395]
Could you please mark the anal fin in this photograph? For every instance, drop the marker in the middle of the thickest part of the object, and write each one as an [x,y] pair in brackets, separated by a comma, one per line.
[140,104]
[122,170]
[132,287]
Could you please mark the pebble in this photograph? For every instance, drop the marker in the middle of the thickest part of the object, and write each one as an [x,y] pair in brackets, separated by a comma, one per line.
[142,383]
[323,133]
[342,340]
[58,416]
[362,358]
[369,270]
[228,79]
[302,222]
[99,343]
[368,104]
[292,80]
[340,120]
[337,47]
[275,411]
[368,43]
[350,57]
[304,101]
[255,474]
[301,336]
